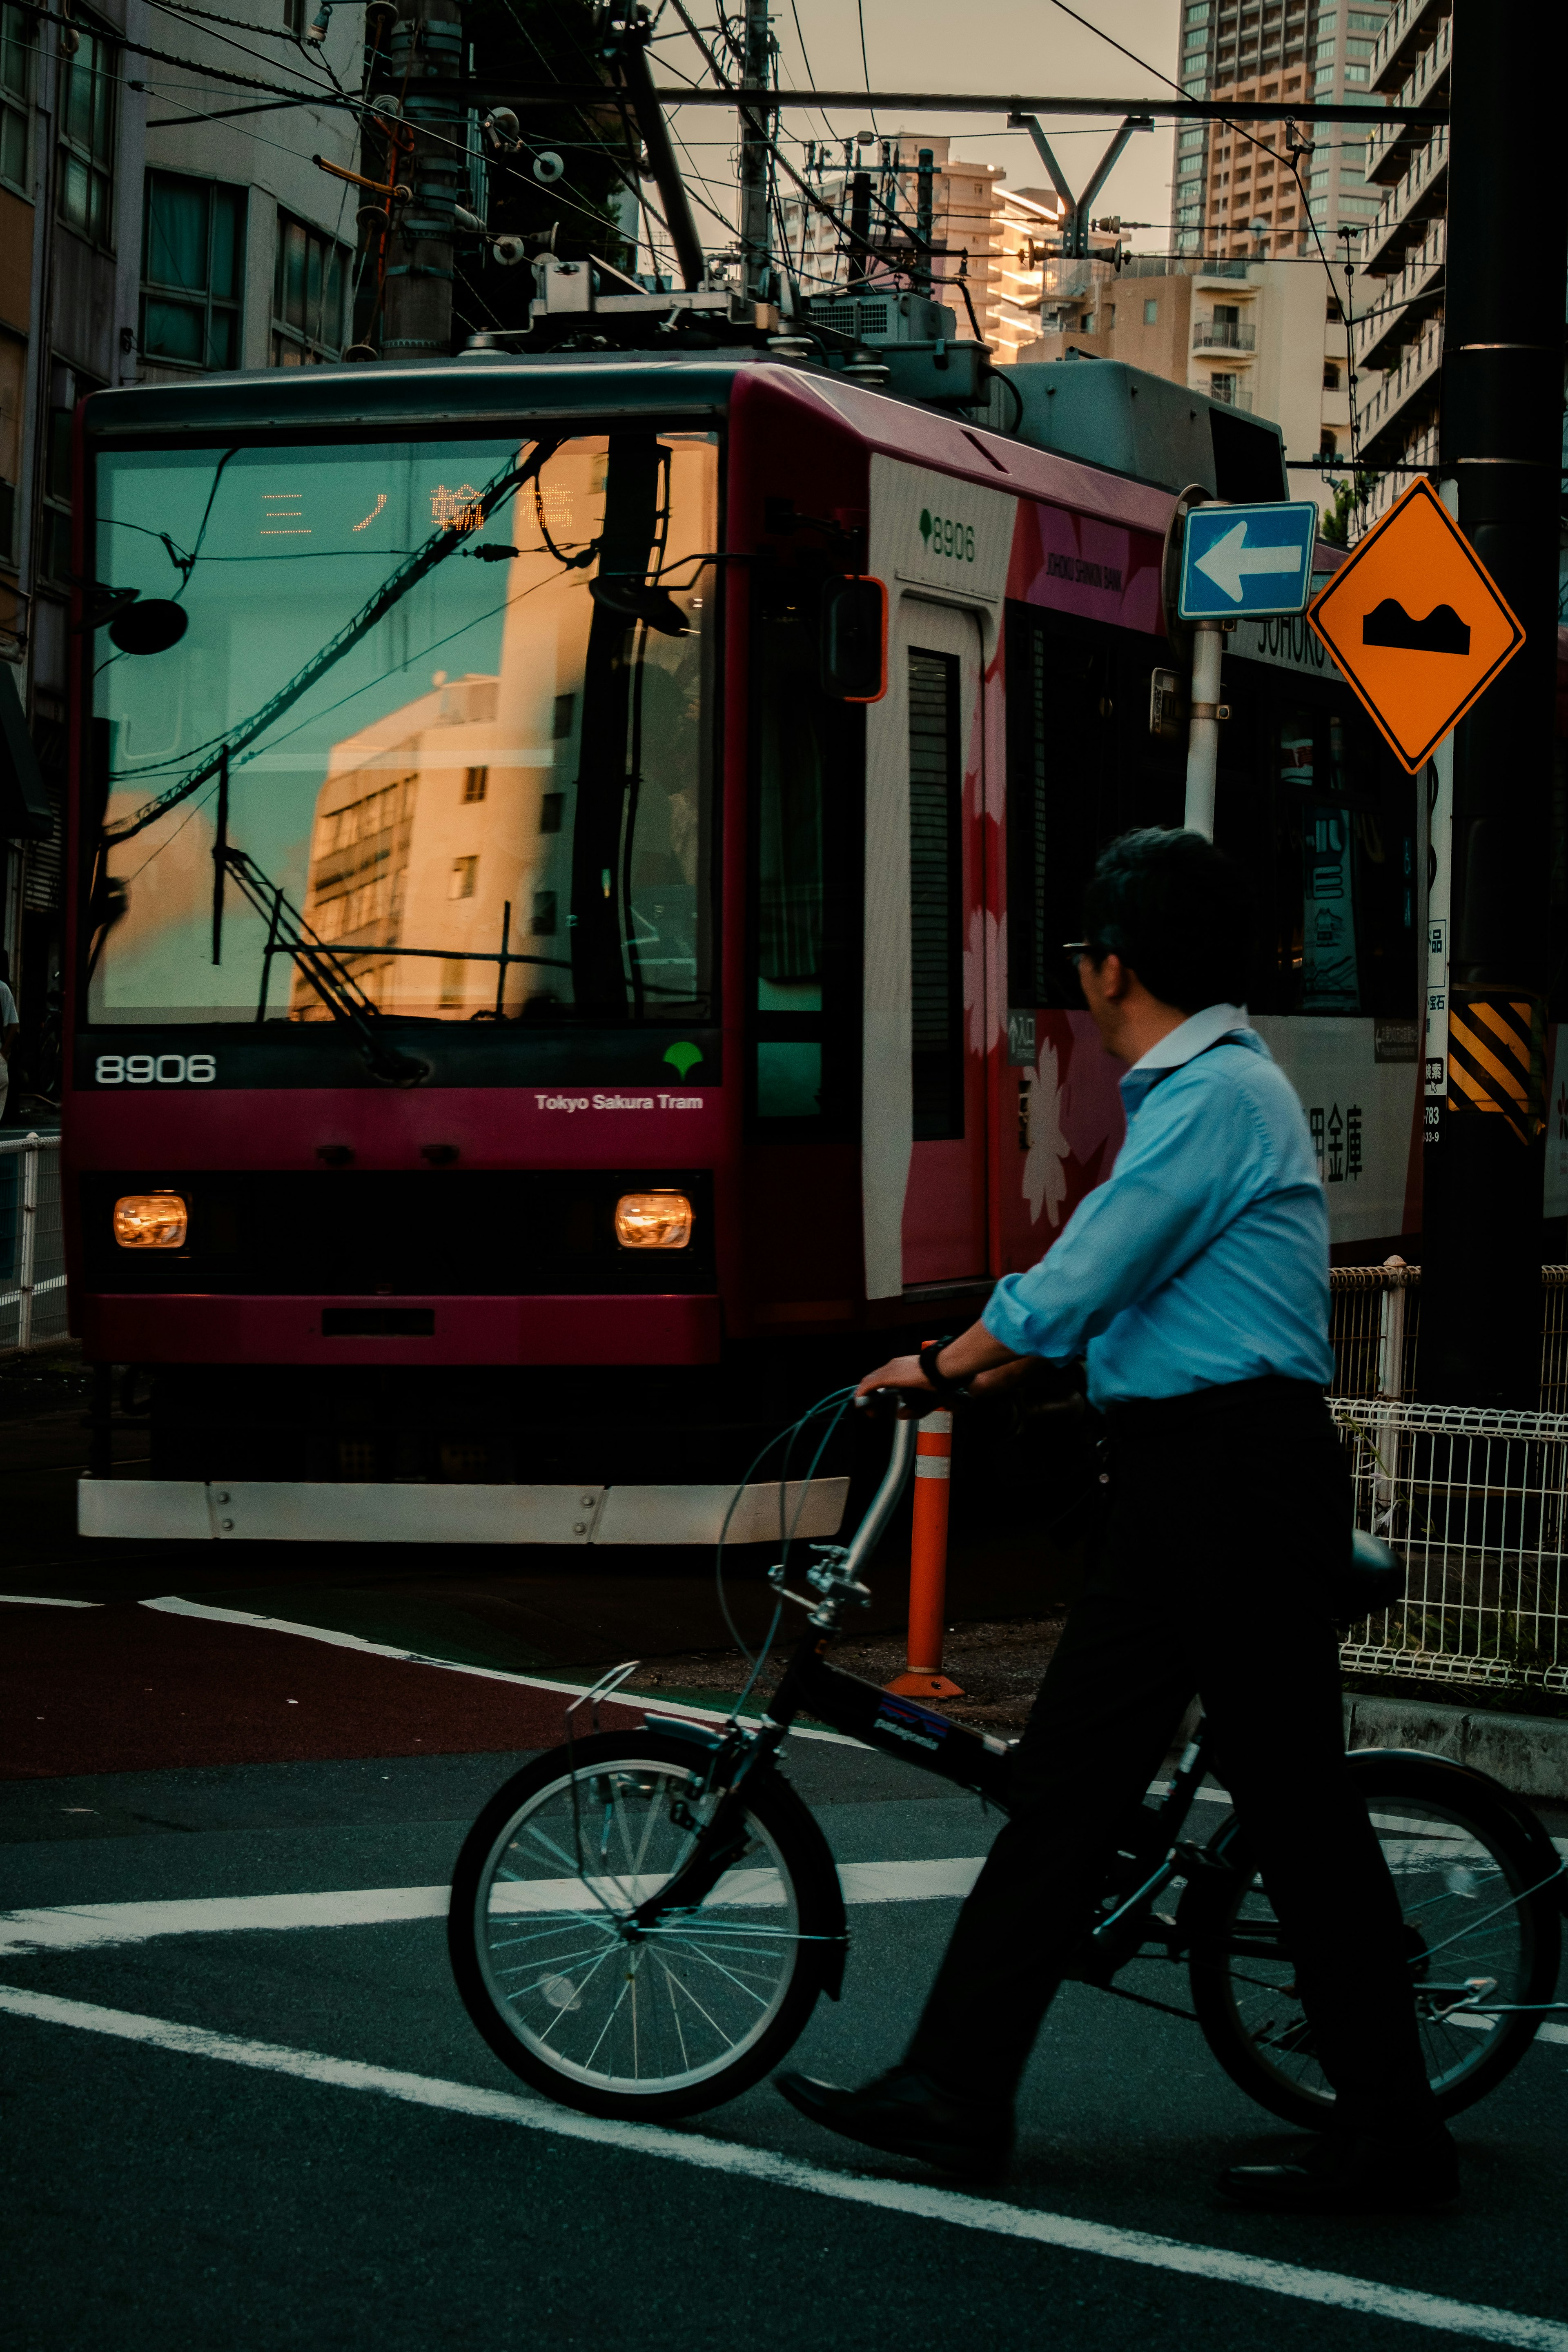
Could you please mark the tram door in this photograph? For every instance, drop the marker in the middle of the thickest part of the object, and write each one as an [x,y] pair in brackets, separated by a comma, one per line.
[925,1087]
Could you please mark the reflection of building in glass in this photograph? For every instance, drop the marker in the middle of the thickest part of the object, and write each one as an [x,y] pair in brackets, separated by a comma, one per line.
[447,827]
[422,837]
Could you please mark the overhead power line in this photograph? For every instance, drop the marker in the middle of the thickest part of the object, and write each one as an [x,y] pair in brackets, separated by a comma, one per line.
[1170,109]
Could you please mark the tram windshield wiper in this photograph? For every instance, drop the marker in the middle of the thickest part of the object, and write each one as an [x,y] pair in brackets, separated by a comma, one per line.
[323,967]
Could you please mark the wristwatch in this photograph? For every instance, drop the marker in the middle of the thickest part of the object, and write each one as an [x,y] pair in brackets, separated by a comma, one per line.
[935,1376]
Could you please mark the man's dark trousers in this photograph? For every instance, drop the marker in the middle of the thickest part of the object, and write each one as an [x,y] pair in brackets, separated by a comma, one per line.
[1228,1513]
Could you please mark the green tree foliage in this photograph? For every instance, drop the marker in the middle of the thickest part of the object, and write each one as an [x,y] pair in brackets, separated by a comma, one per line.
[1335,526]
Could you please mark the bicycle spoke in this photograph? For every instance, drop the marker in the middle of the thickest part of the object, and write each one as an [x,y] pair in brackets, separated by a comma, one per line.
[1464,1909]
[718,1973]
[681,1986]
[578,1991]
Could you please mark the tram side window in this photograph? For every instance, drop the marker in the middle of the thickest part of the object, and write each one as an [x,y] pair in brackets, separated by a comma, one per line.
[1346,880]
[936,897]
[1077,775]
[790,892]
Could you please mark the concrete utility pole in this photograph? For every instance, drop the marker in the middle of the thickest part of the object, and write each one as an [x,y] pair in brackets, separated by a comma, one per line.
[756,162]
[426,42]
[1501,442]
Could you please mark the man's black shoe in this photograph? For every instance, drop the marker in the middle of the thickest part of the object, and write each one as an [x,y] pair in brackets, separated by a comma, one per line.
[1353,2175]
[904,2112]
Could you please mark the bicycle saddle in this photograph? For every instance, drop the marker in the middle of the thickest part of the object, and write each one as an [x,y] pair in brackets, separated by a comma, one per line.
[1372,1579]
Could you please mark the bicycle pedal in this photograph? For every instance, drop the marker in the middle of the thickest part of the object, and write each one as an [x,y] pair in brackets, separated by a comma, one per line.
[1197,1862]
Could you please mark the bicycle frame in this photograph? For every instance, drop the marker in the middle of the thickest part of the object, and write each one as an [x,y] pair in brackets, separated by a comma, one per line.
[1151,1858]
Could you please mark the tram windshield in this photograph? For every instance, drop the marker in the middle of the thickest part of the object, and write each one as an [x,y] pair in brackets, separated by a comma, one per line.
[438,709]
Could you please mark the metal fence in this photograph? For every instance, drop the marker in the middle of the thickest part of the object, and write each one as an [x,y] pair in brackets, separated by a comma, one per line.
[1472,1500]
[1475,1502]
[1374,1323]
[1375,1327]
[32,1244]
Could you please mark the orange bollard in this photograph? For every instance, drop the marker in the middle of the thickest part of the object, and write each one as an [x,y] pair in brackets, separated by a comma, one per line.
[928,1565]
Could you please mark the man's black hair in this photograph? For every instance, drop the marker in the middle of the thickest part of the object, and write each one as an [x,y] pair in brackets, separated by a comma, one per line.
[1179,914]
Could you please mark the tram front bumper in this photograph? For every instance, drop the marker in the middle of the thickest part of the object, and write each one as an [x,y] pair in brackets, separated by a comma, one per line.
[308,1511]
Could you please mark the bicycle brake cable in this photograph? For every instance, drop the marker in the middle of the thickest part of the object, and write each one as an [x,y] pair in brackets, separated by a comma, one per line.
[836,1397]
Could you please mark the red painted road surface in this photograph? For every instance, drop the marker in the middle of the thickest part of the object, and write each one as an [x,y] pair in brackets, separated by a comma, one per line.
[126,1688]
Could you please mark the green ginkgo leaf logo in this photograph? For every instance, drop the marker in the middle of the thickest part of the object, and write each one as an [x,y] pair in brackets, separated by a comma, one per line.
[925,524]
[684,1056]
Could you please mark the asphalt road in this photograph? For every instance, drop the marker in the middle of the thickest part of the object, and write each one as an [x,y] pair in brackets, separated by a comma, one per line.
[315,2147]
[237,2135]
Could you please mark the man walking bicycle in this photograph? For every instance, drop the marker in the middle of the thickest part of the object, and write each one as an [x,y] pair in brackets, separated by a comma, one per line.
[1195,1283]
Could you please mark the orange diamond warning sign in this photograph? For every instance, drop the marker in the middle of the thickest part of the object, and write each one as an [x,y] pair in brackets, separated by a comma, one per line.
[1417,625]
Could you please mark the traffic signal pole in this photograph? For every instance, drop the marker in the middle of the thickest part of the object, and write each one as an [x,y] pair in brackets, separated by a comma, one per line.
[1501,447]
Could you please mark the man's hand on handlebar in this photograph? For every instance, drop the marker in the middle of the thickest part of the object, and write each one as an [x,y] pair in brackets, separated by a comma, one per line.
[901,1385]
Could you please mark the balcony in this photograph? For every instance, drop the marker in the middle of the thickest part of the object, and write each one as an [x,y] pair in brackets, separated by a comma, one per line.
[1230,394]
[1404,302]
[1404,213]
[1387,152]
[1403,399]
[1422,451]
[1223,335]
[1406,28]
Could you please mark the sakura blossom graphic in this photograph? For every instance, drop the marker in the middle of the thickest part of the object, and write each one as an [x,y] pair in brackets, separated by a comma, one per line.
[1044,1165]
[984,953]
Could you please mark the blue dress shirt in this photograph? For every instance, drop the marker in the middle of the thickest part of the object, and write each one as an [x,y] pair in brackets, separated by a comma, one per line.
[1204,1257]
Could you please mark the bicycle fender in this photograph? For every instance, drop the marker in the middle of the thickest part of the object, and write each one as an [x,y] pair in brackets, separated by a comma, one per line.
[1454,1776]
[825,1892]
[1229,1853]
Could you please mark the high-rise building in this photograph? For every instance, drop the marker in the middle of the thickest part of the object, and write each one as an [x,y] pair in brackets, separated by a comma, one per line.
[1238,189]
[1398,333]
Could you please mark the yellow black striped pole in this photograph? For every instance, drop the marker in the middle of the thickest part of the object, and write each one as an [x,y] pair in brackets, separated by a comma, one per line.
[1497,1057]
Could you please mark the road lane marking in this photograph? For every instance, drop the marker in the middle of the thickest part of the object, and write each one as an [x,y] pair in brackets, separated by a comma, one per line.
[43,1600]
[172,1605]
[80,1926]
[914,2200]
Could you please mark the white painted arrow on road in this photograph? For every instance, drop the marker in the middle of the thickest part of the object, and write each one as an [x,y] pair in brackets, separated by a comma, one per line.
[1230,560]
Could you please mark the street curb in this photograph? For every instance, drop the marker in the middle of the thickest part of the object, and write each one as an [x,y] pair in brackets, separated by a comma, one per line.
[1527,1753]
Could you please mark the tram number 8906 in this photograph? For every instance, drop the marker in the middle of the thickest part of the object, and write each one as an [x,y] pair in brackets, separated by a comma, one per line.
[155,1069]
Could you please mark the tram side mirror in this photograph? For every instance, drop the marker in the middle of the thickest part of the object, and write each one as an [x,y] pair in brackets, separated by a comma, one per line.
[638,600]
[854,639]
[151,625]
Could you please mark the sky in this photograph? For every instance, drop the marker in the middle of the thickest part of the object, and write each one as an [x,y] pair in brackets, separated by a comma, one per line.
[1001,45]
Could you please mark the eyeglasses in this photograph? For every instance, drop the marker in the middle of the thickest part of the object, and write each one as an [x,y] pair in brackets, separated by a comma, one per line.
[1076,951]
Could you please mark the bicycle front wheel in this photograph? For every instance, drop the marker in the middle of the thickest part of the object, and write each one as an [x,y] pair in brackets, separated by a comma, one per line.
[598,2013]
[1482,1930]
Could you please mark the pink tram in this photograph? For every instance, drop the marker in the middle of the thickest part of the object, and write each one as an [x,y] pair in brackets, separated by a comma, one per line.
[564,967]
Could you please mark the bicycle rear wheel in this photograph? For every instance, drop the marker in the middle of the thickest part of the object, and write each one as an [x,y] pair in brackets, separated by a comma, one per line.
[652,2023]
[1478,1924]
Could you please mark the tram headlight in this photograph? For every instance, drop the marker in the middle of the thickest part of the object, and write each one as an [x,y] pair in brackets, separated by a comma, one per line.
[653,1220]
[150,1221]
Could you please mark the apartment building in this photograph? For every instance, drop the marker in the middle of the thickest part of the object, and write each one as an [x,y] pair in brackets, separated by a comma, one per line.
[1246,309]
[155,222]
[1243,191]
[1398,335]
[983,230]
[1258,334]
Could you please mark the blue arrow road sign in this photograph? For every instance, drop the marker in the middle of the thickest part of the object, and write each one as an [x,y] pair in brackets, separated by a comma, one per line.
[1241,560]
